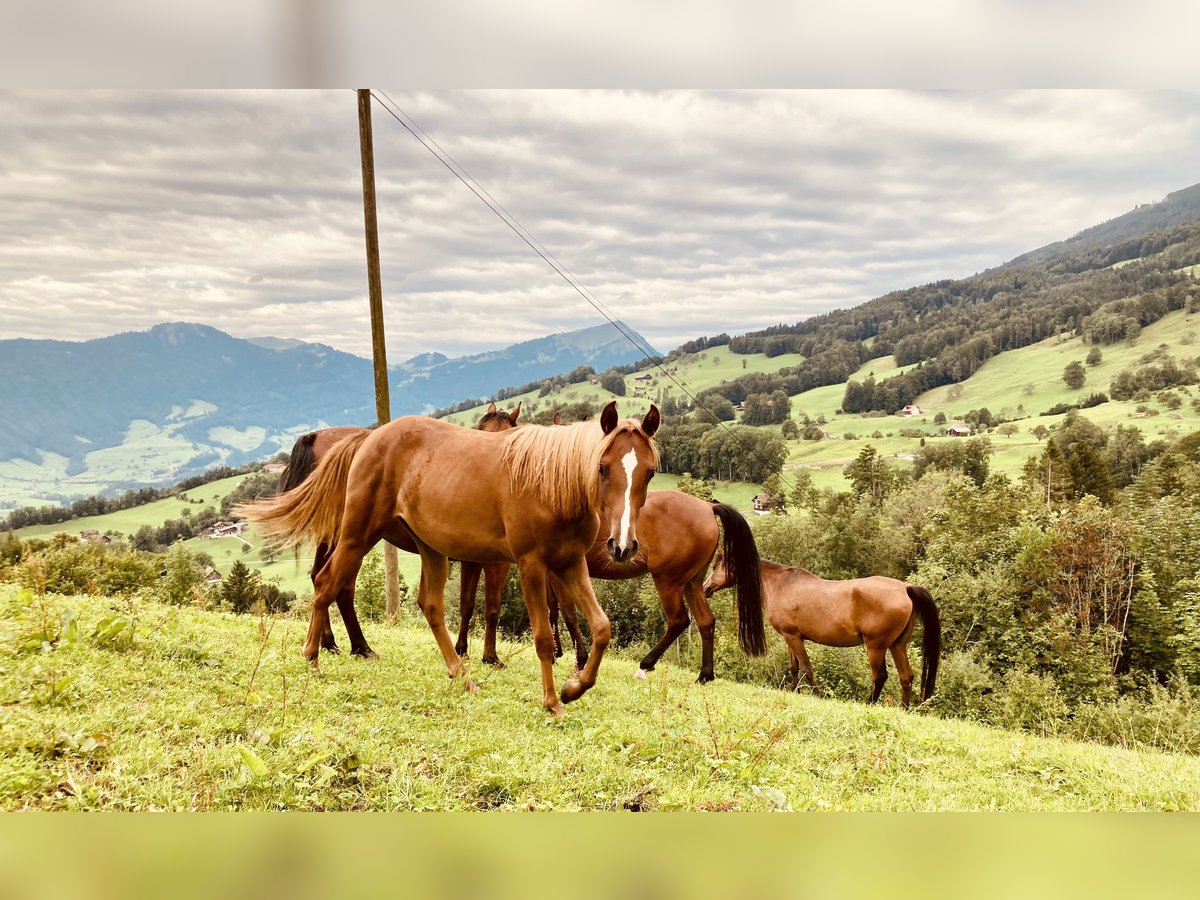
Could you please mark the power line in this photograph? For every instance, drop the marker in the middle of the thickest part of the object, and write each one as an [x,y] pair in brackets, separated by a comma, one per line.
[459,172]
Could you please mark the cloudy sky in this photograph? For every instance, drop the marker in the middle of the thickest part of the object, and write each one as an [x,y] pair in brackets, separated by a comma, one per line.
[685,213]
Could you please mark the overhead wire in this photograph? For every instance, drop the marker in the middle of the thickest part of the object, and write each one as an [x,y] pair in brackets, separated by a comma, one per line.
[446,159]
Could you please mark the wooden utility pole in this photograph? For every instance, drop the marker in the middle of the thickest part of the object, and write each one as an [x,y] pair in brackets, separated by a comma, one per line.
[383,404]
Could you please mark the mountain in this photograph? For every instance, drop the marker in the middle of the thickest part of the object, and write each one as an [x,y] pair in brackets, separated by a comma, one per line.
[1177,208]
[148,407]
[600,347]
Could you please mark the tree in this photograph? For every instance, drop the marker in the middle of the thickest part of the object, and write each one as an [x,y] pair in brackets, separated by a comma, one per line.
[803,494]
[697,487]
[1074,374]
[370,595]
[183,576]
[613,382]
[870,476]
[776,500]
[790,430]
[240,588]
[1094,356]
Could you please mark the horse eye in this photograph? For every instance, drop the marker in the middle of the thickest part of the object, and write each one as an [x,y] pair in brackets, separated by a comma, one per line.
[603,471]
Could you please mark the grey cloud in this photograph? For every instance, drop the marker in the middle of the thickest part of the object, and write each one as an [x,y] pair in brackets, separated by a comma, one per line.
[685,213]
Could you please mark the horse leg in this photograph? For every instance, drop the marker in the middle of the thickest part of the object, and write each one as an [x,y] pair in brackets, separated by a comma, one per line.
[358,641]
[552,611]
[904,670]
[533,589]
[495,575]
[877,657]
[800,662]
[574,589]
[328,642]
[339,569]
[571,619]
[675,613]
[431,598]
[706,624]
[468,586]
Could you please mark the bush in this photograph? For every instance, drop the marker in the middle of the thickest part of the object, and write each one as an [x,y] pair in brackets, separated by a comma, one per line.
[964,688]
[1030,702]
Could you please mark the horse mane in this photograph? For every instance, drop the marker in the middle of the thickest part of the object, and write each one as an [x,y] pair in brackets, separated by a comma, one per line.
[558,463]
[492,417]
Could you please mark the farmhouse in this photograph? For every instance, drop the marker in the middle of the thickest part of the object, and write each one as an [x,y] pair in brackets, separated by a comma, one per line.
[643,377]
[212,576]
[274,468]
[909,411]
[762,504]
[958,429]
[92,536]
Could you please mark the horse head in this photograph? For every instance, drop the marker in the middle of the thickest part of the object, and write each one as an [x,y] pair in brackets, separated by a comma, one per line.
[721,576]
[626,465]
[499,420]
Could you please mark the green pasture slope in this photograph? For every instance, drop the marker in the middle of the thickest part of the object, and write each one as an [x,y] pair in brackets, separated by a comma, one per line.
[1018,384]
[206,710]
[128,521]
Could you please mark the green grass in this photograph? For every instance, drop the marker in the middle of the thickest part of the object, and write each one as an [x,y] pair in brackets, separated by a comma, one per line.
[206,710]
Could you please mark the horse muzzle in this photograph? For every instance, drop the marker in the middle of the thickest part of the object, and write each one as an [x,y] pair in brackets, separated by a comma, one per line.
[620,555]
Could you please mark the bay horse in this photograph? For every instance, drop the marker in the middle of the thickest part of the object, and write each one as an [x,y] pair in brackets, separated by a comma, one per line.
[876,611]
[535,496]
[308,451]
[678,536]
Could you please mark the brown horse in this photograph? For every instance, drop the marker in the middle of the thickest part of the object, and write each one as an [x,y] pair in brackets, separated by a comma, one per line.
[308,451]
[532,496]
[678,537]
[876,611]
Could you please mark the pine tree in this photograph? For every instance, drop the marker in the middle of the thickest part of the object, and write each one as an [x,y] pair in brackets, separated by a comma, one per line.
[240,589]
[182,578]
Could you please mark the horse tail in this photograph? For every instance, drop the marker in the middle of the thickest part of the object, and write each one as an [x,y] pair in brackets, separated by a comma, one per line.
[301,462]
[741,559]
[931,643]
[311,512]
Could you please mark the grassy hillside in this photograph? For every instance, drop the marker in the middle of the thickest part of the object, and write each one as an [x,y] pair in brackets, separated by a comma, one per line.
[207,710]
[697,371]
[1018,384]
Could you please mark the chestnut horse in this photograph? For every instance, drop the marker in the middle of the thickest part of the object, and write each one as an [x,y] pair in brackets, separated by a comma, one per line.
[678,537]
[876,611]
[531,496]
[308,451]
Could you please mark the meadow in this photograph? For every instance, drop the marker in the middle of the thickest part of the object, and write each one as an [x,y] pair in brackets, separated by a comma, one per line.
[134,705]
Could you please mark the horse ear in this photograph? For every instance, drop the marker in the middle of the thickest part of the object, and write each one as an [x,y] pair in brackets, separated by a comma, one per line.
[651,421]
[491,408]
[608,417]
[512,416]
[557,419]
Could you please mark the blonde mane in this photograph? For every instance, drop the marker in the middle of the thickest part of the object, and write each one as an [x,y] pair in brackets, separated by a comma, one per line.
[557,463]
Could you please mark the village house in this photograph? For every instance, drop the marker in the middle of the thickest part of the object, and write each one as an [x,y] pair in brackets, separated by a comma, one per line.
[274,468]
[92,536]
[909,411]
[211,575]
[958,429]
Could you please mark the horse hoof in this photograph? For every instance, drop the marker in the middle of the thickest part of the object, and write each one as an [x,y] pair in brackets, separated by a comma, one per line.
[331,648]
[460,649]
[706,677]
[641,674]
[493,661]
[572,690]
[557,711]
[470,687]
[365,653]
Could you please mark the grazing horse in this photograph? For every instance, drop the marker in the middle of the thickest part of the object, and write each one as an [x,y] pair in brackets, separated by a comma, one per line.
[308,451]
[678,536]
[534,496]
[876,611]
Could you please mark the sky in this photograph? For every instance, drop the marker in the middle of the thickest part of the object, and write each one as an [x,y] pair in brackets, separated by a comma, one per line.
[683,212]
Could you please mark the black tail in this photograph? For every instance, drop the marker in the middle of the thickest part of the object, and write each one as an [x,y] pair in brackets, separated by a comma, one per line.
[301,463]
[741,559]
[931,644]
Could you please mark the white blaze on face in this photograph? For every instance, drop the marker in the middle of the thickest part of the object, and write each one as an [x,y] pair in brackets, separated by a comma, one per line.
[629,462]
